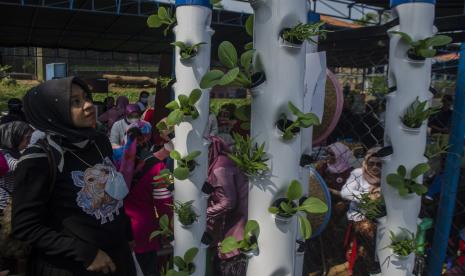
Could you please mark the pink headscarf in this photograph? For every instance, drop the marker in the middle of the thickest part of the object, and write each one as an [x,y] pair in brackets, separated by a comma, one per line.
[343,158]
[115,113]
[217,156]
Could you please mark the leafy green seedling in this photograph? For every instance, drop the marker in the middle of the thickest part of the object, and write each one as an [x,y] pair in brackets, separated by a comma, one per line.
[185,165]
[248,242]
[240,72]
[418,112]
[249,157]
[242,113]
[302,32]
[184,264]
[165,177]
[165,229]
[164,81]
[403,244]
[183,107]
[249,31]
[290,128]
[287,207]
[423,48]
[440,145]
[408,185]
[186,214]
[370,208]
[162,17]
[187,51]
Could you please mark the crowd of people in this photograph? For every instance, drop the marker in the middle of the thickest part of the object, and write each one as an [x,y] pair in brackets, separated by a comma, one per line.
[78,197]
[77,193]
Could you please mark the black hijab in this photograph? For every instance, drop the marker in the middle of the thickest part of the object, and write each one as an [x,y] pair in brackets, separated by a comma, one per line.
[48,108]
[11,135]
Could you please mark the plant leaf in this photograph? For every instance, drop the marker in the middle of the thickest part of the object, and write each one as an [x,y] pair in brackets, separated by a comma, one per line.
[438,40]
[314,205]
[154,21]
[294,191]
[227,54]
[211,79]
[295,110]
[246,60]
[190,254]
[427,53]
[249,25]
[229,77]
[402,171]
[194,96]
[179,44]
[192,155]
[405,37]
[248,46]
[179,262]
[419,169]
[305,227]
[175,155]
[395,180]
[181,173]
[172,105]
[252,227]
[273,210]
[229,244]
[175,117]
[163,13]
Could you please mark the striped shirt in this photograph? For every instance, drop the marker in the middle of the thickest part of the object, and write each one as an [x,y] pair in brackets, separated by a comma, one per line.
[7,181]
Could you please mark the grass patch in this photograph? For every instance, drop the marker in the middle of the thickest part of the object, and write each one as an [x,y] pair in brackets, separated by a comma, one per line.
[19,90]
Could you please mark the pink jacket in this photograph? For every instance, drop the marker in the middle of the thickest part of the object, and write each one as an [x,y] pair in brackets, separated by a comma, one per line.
[142,205]
[228,204]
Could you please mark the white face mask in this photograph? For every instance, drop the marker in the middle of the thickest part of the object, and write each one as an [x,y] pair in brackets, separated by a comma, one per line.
[133,120]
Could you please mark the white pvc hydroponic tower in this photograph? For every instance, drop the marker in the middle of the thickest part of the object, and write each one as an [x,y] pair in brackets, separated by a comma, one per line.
[284,68]
[193,26]
[412,80]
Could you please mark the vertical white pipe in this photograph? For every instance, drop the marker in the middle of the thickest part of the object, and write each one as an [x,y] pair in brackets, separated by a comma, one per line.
[193,27]
[284,69]
[412,80]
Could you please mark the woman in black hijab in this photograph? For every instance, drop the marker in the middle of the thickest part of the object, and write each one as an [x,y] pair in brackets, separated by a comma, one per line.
[76,224]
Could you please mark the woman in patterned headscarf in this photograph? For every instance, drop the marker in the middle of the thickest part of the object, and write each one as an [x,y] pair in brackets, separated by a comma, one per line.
[365,180]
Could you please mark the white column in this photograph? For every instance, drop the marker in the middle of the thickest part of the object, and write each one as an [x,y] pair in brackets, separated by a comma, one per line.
[412,79]
[284,69]
[193,27]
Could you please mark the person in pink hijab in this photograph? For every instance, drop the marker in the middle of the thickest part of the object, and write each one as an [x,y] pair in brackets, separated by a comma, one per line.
[227,206]
[115,113]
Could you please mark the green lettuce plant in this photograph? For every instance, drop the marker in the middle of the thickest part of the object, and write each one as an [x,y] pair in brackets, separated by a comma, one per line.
[408,185]
[440,145]
[248,242]
[162,17]
[184,264]
[288,207]
[418,112]
[187,51]
[165,177]
[403,244]
[423,48]
[240,71]
[183,107]
[369,208]
[186,214]
[185,164]
[290,128]
[164,81]
[302,32]
[165,229]
[249,157]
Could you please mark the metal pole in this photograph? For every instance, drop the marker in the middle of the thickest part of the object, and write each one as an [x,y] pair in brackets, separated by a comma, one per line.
[451,175]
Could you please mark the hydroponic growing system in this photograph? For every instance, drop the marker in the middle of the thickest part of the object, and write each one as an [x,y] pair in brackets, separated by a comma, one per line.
[284,66]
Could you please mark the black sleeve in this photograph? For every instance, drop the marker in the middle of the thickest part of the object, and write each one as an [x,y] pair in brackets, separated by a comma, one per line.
[30,211]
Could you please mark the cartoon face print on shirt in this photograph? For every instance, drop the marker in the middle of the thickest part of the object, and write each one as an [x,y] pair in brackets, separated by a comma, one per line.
[92,197]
